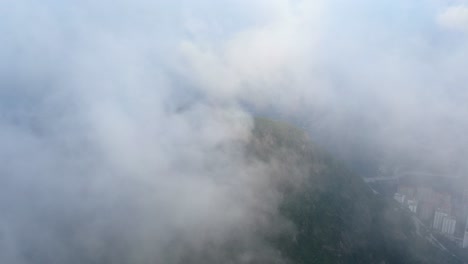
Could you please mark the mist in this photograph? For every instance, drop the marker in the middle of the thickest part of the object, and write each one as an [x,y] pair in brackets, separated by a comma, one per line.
[123,124]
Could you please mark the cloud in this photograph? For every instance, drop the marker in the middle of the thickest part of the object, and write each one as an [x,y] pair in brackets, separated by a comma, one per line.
[373,70]
[123,123]
[454,18]
[106,157]
[257,63]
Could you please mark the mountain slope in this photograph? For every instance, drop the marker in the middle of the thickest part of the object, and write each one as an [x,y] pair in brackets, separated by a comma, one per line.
[336,217]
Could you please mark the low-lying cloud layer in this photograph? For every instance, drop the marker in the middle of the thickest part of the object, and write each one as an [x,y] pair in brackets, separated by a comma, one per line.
[122,123]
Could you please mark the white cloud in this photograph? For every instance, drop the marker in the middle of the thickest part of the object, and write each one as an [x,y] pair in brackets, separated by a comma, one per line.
[454,18]
[257,63]
[88,92]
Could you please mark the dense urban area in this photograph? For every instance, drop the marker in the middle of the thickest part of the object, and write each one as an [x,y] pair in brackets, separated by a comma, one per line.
[439,206]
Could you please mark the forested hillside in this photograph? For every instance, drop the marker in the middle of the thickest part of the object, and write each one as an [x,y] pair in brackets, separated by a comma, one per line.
[336,216]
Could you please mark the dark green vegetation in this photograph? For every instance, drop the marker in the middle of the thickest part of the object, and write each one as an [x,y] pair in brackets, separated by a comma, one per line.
[336,216]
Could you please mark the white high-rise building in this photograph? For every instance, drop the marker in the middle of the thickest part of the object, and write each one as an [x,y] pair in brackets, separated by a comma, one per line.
[413,205]
[448,225]
[465,237]
[399,197]
[438,220]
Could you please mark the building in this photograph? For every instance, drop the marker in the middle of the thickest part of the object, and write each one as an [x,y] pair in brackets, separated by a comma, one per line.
[438,220]
[465,196]
[448,225]
[399,198]
[426,211]
[413,205]
[443,201]
[425,194]
[465,237]
[408,191]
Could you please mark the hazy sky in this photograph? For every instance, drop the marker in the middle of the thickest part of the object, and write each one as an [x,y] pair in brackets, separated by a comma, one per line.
[120,120]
